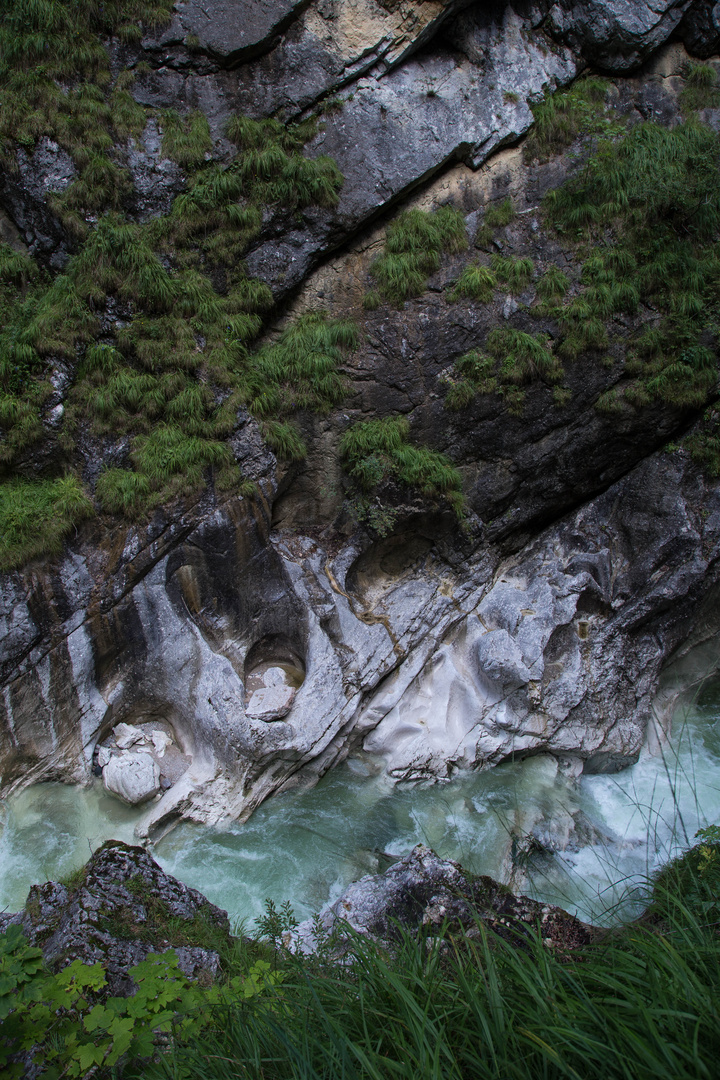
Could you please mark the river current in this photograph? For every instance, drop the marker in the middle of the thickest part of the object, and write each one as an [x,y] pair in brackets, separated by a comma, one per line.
[588,844]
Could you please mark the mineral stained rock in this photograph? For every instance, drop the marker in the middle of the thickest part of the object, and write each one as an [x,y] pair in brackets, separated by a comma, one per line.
[589,550]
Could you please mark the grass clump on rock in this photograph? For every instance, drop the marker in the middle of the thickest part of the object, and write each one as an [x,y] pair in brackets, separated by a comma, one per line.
[36,516]
[565,115]
[374,451]
[475,283]
[414,243]
[513,359]
[648,207]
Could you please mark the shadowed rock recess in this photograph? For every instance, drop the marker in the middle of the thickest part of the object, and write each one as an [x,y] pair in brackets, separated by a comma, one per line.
[333,420]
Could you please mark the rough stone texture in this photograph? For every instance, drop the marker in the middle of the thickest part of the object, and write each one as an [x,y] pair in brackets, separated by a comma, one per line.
[117,914]
[587,557]
[619,34]
[421,891]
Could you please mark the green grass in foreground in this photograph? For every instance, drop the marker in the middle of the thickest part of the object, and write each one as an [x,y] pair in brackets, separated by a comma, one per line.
[641,1003]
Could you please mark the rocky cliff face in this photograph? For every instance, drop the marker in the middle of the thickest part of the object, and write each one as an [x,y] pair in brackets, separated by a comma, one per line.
[265,632]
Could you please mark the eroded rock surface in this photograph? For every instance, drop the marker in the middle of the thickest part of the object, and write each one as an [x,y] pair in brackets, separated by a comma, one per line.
[588,553]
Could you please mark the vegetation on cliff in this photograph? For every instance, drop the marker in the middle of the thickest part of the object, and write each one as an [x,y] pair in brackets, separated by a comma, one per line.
[640,1002]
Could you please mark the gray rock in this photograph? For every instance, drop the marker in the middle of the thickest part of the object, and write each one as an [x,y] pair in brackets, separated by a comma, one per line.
[270,702]
[235,29]
[616,35]
[123,908]
[422,892]
[126,735]
[132,776]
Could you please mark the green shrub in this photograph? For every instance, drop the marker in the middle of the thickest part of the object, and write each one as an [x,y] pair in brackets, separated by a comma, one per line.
[37,516]
[414,243]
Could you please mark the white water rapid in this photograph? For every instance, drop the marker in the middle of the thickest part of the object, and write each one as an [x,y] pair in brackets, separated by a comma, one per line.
[588,845]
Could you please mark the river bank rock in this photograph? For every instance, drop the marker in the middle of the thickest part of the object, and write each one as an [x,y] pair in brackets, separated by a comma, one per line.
[423,893]
[119,908]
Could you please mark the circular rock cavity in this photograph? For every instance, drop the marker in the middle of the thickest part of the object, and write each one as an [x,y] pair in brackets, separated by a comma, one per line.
[138,761]
[274,672]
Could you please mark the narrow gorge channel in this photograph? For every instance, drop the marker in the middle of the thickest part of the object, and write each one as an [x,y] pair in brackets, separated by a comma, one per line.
[589,844]
[359,441]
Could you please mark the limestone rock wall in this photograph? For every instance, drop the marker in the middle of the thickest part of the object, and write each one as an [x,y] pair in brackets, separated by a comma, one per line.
[584,563]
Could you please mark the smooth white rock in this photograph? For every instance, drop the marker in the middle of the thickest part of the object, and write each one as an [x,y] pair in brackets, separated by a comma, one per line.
[160,740]
[104,756]
[270,702]
[126,735]
[275,676]
[133,776]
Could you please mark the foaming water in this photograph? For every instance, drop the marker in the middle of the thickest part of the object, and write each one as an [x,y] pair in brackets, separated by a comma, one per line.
[588,845]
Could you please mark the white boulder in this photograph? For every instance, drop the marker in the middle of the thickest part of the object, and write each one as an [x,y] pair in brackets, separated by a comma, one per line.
[270,702]
[133,776]
[126,735]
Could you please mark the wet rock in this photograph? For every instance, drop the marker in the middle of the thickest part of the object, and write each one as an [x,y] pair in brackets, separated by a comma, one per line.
[422,891]
[121,908]
[132,776]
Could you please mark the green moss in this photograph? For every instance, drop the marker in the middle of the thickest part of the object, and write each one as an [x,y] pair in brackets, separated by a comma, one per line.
[374,451]
[414,243]
[36,516]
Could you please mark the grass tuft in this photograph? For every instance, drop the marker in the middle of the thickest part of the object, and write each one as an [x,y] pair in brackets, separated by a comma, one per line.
[37,516]
[414,243]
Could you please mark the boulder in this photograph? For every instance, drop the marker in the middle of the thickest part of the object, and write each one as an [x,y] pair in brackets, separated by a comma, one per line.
[126,735]
[422,891]
[271,702]
[132,776]
[120,908]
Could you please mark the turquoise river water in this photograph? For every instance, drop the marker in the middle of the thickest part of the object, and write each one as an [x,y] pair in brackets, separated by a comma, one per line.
[306,846]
